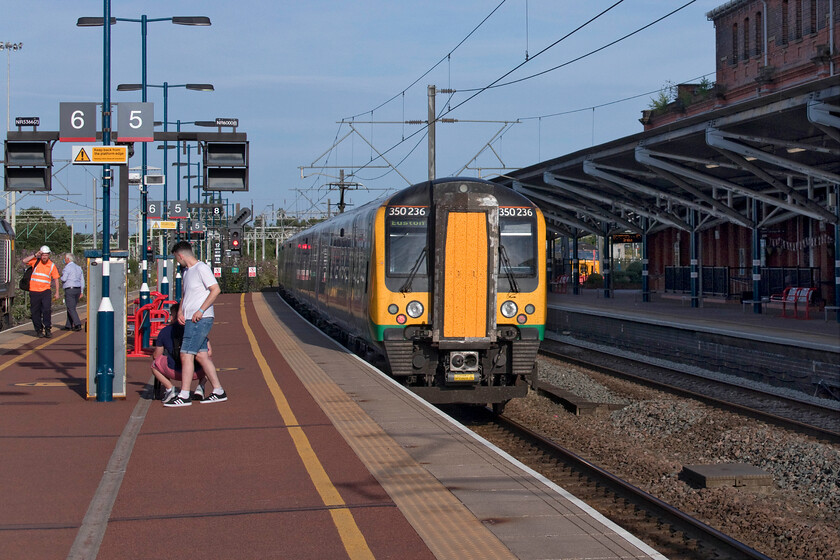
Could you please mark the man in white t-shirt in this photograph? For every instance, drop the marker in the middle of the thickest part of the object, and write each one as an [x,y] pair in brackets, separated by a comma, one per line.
[200,290]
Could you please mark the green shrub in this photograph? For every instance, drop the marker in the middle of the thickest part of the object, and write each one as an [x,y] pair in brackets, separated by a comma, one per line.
[594,280]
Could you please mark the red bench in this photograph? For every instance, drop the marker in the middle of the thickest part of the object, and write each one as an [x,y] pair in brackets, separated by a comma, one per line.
[158,318]
[560,283]
[794,297]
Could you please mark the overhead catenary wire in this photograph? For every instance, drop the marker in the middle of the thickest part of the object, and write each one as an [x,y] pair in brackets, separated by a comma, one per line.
[438,63]
[495,84]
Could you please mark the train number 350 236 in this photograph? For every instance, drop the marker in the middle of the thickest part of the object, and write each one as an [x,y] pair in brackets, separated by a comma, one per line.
[509,211]
[407,210]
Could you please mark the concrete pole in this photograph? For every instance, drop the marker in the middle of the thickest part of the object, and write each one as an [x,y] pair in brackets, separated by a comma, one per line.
[432,118]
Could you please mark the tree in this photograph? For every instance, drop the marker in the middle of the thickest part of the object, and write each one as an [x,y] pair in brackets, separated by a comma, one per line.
[36,227]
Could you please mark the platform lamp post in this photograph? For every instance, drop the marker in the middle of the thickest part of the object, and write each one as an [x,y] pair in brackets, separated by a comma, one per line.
[9,47]
[143,21]
[165,86]
[178,164]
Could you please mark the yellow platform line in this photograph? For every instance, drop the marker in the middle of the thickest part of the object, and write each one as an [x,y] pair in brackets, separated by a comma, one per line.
[352,538]
[16,359]
[444,523]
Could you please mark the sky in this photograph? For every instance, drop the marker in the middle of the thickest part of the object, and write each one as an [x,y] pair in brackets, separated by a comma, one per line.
[309,82]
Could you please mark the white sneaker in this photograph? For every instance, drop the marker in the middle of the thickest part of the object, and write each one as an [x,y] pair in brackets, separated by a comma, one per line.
[169,394]
[198,394]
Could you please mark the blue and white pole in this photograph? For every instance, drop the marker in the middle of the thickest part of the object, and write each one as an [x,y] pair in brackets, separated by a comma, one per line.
[144,226]
[105,313]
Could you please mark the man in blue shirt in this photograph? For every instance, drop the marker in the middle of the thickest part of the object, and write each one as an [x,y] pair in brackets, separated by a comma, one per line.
[74,284]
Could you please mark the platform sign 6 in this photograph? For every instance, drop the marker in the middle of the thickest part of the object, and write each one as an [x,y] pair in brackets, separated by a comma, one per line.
[177,209]
[154,209]
[136,122]
[77,122]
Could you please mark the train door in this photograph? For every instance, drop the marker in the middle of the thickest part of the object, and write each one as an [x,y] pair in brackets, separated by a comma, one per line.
[466,249]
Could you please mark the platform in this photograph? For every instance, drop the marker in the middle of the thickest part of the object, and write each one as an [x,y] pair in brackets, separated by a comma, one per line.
[722,337]
[315,455]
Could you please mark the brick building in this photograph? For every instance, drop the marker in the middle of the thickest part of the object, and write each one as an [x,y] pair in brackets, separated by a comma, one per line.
[762,46]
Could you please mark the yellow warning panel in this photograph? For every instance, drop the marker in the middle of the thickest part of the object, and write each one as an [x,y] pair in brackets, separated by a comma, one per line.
[465,282]
[82,157]
[100,155]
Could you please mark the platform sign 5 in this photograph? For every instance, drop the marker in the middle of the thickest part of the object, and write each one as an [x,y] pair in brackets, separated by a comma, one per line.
[178,209]
[136,122]
[154,209]
[77,122]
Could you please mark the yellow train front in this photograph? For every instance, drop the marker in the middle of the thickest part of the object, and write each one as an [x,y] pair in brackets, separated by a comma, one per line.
[446,280]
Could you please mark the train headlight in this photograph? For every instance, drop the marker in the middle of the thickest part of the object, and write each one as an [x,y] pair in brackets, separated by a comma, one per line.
[529,309]
[509,309]
[393,308]
[414,309]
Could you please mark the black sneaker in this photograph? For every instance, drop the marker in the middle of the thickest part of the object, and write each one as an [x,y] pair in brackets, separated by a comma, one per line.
[47,333]
[178,401]
[213,397]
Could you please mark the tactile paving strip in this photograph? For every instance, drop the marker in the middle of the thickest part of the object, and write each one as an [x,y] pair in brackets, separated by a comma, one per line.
[447,527]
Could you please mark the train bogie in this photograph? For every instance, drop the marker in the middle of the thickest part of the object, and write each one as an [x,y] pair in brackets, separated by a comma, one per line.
[453,290]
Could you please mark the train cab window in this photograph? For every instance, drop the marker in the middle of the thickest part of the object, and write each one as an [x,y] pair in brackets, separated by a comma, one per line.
[520,249]
[405,252]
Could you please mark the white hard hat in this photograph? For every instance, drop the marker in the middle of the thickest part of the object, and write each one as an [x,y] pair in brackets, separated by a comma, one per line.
[45,249]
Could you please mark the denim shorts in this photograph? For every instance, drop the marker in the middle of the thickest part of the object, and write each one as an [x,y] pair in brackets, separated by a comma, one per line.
[195,336]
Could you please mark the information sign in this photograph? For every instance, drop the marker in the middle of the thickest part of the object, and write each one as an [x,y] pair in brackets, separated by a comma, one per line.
[626,238]
[136,122]
[252,271]
[77,122]
[177,209]
[27,121]
[100,155]
[217,271]
[164,224]
[154,209]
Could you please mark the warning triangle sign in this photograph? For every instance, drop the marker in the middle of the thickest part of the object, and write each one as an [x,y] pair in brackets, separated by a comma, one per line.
[82,156]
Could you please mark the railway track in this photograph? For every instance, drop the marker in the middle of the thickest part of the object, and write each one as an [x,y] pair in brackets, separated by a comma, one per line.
[821,422]
[673,533]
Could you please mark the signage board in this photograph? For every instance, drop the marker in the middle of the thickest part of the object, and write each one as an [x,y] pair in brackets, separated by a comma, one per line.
[217,271]
[164,224]
[252,271]
[77,122]
[27,121]
[177,209]
[154,209]
[136,122]
[626,238]
[220,121]
[100,155]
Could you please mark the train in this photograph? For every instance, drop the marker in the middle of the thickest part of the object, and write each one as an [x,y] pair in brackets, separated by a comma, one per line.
[444,280]
[8,282]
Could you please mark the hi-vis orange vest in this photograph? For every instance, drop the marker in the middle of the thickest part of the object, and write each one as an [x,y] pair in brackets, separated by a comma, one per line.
[41,275]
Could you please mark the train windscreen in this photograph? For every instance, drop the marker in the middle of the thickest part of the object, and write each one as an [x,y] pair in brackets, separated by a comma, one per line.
[519,249]
[406,251]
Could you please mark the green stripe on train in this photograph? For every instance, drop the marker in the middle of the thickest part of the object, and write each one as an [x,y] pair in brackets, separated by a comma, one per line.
[379,330]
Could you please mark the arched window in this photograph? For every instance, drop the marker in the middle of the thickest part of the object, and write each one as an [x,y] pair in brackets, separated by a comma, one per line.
[746,48]
[759,34]
[734,43]
[785,22]
[798,21]
[813,16]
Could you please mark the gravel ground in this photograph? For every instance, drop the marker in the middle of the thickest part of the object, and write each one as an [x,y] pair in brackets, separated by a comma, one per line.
[650,439]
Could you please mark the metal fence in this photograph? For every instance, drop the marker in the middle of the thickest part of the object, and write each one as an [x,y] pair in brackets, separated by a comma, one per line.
[737,282]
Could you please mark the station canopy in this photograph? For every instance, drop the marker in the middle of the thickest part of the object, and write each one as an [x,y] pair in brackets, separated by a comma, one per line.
[781,150]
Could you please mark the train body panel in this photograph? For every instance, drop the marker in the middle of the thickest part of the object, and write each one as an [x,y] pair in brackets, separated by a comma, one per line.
[446,280]
[8,278]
